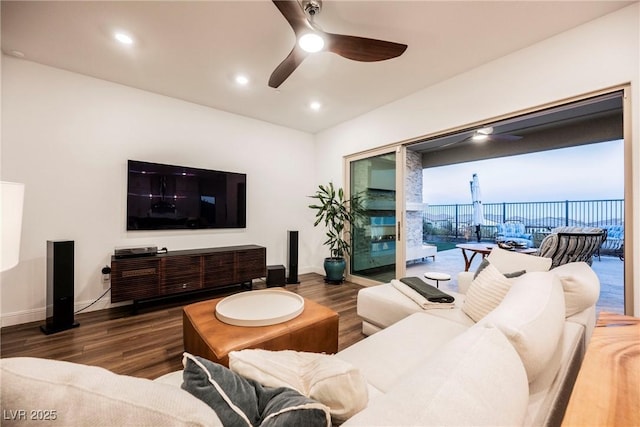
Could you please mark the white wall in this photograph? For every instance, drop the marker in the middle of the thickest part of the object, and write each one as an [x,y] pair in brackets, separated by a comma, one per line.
[68,138]
[594,56]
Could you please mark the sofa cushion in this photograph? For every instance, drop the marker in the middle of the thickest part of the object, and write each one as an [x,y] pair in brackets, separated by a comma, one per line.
[580,284]
[509,261]
[239,401]
[531,315]
[383,305]
[486,291]
[322,377]
[387,355]
[82,395]
[467,382]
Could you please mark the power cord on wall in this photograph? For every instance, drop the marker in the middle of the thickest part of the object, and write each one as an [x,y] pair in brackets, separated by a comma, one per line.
[98,299]
[106,271]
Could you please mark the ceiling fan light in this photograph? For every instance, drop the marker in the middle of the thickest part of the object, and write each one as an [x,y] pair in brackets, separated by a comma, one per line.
[311,42]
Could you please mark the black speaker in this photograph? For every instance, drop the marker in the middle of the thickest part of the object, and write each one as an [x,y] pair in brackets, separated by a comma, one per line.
[275,275]
[292,256]
[60,284]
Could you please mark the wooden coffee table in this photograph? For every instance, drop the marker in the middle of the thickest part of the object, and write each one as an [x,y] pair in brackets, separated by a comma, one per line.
[314,330]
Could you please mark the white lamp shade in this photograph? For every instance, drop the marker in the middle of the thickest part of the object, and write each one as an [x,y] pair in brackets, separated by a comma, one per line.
[12,201]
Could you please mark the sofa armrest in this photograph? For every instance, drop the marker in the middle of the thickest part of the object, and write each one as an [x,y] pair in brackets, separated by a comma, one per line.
[464,280]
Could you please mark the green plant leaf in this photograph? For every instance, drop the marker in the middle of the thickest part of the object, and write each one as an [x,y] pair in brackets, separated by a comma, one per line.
[335,212]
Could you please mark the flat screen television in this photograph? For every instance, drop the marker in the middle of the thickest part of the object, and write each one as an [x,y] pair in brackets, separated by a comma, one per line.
[167,197]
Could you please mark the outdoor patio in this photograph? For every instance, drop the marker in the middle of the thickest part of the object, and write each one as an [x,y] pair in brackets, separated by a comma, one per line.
[609,269]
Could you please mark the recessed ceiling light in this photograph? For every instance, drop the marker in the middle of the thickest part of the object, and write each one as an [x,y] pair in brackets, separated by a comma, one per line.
[242,80]
[315,106]
[123,38]
[311,42]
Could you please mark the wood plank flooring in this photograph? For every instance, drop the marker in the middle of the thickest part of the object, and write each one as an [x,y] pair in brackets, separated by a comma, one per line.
[149,344]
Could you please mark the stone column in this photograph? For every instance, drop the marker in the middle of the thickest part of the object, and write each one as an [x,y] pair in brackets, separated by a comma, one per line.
[413,196]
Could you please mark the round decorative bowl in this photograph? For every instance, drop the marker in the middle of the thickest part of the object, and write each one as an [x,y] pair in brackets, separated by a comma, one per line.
[259,308]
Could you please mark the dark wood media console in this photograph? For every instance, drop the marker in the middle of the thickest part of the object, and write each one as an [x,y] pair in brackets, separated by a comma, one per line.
[179,272]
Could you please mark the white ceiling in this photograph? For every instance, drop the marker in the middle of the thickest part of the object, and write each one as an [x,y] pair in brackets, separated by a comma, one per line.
[191,50]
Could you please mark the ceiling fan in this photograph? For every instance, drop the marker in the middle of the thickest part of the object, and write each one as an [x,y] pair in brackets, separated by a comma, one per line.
[301,19]
[480,135]
[487,134]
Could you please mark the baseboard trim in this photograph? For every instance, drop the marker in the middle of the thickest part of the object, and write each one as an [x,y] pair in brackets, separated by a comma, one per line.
[40,314]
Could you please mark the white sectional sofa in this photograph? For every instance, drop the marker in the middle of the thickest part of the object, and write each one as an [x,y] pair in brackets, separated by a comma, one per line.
[405,338]
[514,366]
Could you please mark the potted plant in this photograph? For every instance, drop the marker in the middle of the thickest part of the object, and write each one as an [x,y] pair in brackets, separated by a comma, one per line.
[334,211]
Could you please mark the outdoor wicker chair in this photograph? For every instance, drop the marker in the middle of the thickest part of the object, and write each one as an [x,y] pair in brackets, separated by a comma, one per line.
[572,244]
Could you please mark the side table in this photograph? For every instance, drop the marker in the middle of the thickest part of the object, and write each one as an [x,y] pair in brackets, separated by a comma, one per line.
[438,277]
[607,390]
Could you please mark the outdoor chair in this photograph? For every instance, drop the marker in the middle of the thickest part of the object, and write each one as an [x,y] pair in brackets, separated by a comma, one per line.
[572,244]
[614,241]
[514,232]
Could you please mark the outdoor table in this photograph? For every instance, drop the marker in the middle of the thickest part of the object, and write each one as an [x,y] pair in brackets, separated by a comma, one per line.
[484,249]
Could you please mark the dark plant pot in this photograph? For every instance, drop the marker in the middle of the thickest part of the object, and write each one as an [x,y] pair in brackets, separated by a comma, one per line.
[334,268]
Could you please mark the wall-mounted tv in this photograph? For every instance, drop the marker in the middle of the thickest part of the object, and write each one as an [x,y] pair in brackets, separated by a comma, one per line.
[167,197]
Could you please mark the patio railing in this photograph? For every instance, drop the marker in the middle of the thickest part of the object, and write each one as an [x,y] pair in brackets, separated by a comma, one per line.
[453,222]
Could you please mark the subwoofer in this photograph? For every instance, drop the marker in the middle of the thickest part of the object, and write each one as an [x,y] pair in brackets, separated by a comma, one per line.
[60,284]
[292,256]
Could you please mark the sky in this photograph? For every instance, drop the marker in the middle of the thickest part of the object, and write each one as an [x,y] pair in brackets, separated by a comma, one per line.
[587,172]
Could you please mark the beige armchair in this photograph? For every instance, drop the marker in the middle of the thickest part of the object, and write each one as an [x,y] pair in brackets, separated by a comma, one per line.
[571,244]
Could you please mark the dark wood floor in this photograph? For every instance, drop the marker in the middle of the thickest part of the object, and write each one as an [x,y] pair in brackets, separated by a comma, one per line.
[149,344]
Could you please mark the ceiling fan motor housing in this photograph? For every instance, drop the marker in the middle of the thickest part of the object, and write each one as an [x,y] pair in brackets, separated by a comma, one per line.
[312,7]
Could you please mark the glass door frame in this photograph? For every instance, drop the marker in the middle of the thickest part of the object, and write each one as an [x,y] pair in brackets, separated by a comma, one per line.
[630,297]
[400,152]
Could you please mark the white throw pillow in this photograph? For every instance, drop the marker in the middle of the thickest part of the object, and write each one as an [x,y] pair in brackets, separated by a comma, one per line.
[70,394]
[325,378]
[580,284]
[485,292]
[531,316]
[476,379]
[507,261]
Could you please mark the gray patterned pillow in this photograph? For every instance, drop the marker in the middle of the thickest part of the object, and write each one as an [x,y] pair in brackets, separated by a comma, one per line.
[242,402]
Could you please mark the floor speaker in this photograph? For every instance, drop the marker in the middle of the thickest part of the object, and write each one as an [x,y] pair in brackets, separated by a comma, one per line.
[292,256]
[60,284]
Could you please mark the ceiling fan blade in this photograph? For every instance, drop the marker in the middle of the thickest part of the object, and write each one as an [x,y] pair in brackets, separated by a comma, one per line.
[363,49]
[504,137]
[286,67]
[294,15]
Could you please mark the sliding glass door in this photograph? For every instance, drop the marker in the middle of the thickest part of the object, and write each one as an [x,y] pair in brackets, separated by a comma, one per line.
[374,238]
